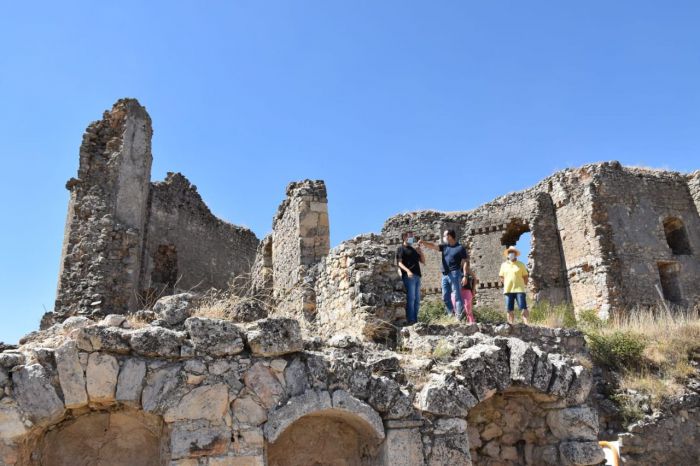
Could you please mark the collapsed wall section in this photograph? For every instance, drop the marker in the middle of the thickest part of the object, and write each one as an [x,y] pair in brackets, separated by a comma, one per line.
[187,247]
[104,231]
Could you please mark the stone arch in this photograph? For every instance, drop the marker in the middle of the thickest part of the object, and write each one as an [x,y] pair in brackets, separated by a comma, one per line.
[676,236]
[116,438]
[495,383]
[319,428]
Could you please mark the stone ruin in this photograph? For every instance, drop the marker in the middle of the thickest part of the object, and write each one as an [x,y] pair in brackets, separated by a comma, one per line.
[329,377]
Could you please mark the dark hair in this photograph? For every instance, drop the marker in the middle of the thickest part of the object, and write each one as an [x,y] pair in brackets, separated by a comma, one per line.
[452,233]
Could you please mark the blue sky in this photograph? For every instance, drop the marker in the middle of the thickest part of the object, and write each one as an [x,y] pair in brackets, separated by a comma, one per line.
[397,105]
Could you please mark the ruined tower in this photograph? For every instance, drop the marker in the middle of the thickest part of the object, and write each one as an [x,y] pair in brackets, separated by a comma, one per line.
[128,241]
[107,212]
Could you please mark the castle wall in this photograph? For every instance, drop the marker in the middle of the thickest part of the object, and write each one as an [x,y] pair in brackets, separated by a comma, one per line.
[128,241]
[637,204]
[187,247]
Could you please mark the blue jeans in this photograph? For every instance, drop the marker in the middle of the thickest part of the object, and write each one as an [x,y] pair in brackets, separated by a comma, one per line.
[510,301]
[452,283]
[412,298]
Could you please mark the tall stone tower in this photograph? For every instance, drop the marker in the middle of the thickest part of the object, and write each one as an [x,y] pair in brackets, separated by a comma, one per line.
[107,214]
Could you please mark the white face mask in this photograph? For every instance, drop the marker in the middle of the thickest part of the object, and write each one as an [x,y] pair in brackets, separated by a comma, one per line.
[410,240]
[511,256]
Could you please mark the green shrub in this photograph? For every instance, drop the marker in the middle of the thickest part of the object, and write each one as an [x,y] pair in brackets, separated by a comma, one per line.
[560,315]
[588,320]
[431,311]
[617,349]
[487,315]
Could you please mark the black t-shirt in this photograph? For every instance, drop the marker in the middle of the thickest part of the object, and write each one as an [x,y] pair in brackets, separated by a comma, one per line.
[452,257]
[409,257]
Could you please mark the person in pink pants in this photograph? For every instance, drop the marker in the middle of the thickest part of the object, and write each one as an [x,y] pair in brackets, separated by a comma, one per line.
[468,292]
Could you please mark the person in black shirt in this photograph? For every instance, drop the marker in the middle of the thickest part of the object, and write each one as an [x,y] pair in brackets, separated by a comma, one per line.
[454,268]
[409,259]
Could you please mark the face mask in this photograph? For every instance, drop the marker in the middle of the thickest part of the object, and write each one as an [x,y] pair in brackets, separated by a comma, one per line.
[410,240]
[511,256]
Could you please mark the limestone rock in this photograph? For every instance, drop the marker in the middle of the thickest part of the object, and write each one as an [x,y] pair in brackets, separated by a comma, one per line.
[264,384]
[296,378]
[247,311]
[275,337]
[208,402]
[344,401]
[157,341]
[450,449]
[70,374]
[523,360]
[99,338]
[486,367]
[248,412]
[160,384]
[296,407]
[214,336]
[174,309]
[8,360]
[579,423]
[35,394]
[130,382]
[102,372]
[382,393]
[444,395]
[581,453]
[11,425]
[198,438]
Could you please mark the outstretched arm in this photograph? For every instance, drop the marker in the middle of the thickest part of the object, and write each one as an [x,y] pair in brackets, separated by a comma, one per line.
[429,245]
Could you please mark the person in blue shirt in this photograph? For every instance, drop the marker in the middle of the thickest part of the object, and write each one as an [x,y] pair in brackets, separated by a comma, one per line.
[454,268]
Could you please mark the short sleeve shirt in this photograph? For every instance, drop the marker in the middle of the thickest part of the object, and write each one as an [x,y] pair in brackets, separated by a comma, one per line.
[513,274]
[452,257]
[409,257]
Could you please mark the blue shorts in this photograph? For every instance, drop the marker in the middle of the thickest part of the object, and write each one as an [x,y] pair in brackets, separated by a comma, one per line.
[512,297]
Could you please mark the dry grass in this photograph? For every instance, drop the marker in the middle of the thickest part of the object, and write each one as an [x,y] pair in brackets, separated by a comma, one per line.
[654,349]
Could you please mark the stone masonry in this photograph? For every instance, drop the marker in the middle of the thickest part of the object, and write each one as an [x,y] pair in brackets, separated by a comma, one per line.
[127,240]
[331,369]
[604,237]
[212,392]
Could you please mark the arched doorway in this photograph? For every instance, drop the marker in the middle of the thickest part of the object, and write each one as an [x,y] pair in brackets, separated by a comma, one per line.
[315,429]
[120,438]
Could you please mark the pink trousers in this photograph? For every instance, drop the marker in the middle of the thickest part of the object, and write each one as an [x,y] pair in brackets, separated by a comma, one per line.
[467,300]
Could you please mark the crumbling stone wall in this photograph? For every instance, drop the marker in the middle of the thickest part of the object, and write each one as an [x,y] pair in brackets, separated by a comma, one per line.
[300,234]
[670,438]
[125,238]
[598,238]
[209,252]
[358,291]
[100,263]
[215,392]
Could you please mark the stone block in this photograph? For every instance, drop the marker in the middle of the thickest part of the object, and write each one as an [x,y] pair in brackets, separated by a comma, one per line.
[102,373]
[190,439]
[579,423]
[248,412]
[403,447]
[174,309]
[275,337]
[214,336]
[130,381]
[35,394]
[263,382]
[581,453]
[70,375]
[208,402]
